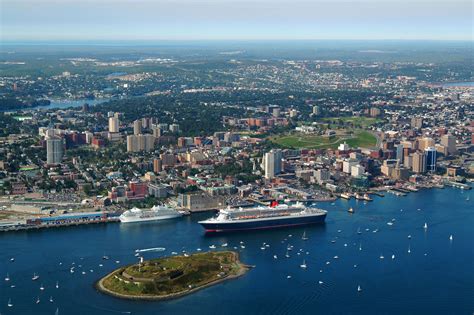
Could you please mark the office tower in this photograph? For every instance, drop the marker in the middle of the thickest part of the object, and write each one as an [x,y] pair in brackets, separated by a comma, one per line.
[430,158]
[400,151]
[449,141]
[113,124]
[419,162]
[425,143]
[137,127]
[272,163]
[54,150]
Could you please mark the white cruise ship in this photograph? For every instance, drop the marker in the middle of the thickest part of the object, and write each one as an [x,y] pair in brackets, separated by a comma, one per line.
[154,214]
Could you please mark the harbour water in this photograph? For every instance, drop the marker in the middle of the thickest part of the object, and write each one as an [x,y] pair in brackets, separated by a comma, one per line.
[436,277]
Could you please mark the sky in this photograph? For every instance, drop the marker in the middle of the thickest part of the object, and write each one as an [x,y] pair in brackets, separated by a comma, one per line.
[43,20]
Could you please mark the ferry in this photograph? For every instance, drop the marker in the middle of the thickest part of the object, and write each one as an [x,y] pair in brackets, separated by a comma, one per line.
[154,214]
[263,217]
[346,196]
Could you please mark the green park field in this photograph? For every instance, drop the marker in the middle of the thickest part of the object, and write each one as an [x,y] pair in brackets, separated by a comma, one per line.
[359,138]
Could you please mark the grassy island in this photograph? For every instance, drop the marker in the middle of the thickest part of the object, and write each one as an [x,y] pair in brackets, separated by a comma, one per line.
[171,277]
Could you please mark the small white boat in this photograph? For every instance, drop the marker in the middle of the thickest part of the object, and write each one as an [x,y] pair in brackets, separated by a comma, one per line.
[304,237]
[105,257]
[409,249]
[12,259]
[57,285]
[390,223]
[275,257]
[9,304]
[336,257]
[199,249]
[287,255]
[359,289]
[360,246]
[117,261]
[38,300]
[242,246]
[451,237]
[137,254]
[83,272]
[262,248]
[7,278]
[425,226]
[393,256]
[35,277]
[320,282]
[100,265]
[303,265]
[288,277]
[212,246]
[51,299]
[41,287]
[224,245]
[382,257]
[409,236]
[358,231]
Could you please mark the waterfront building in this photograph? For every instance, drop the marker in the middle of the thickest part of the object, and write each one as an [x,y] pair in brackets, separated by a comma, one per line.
[272,163]
[419,162]
[54,150]
[430,158]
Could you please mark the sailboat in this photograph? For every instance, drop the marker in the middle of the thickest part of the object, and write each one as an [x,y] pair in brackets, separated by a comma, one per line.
[425,226]
[359,289]
[37,300]
[304,237]
[360,246]
[7,278]
[409,250]
[451,237]
[9,304]
[35,277]
[57,285]
[303,265]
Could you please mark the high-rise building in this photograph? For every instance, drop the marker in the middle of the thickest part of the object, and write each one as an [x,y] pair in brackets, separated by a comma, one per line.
[425,143]
[316,110]
[430,158]
[417,122]
[137,143]
[449,141]
[272,163]
[399,149]
[54,150]
[137,127]
[157,165]
[419,162]
[113,124]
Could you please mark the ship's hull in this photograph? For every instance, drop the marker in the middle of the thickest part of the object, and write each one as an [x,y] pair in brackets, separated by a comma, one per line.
[266,223]
[138,219]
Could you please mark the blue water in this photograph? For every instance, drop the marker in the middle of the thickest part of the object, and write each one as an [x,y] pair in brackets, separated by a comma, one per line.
[59,104]
[440,282]
[456,84]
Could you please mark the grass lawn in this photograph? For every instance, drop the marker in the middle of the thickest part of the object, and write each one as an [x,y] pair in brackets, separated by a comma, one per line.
[360,138]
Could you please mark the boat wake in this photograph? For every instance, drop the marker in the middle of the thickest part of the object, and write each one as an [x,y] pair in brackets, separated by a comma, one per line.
[153,249]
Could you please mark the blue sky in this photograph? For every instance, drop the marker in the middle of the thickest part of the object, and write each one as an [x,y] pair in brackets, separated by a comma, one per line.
[235,19]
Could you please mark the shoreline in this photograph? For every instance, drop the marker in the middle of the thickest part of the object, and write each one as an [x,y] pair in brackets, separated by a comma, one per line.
[99,286]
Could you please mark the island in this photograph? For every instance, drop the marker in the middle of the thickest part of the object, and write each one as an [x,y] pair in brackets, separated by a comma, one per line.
[172,277]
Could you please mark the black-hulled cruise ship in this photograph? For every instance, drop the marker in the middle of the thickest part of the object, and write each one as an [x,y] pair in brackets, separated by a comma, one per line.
[263,217]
